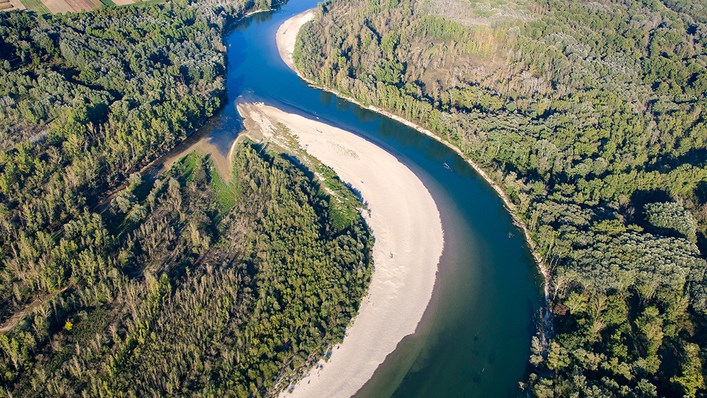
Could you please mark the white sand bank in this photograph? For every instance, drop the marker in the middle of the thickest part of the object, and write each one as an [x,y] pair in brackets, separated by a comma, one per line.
[408,244]
[287,35]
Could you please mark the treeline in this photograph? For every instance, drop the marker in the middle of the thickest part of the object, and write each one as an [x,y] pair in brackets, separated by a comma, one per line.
[119,284]
[591,116]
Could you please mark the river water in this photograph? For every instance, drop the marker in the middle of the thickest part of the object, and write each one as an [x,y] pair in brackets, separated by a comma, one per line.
[474,338]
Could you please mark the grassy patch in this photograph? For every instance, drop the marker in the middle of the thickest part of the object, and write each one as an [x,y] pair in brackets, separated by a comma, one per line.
[191,168]
[186,166]
[225,194]
[343,202]
[148,3]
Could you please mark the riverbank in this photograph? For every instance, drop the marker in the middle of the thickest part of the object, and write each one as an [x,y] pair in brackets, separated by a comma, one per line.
[286,36]
[286,40]
[408,244]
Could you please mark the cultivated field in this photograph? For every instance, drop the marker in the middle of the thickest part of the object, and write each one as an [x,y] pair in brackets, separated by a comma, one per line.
[59,6]
[10,5]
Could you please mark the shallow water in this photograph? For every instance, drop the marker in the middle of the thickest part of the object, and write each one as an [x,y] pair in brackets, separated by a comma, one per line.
[475,335]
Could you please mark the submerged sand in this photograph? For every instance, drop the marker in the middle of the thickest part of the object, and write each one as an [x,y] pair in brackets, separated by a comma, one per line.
[408,235]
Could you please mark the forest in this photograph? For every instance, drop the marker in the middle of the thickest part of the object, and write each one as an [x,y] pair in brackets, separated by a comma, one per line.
[591,117]
[120,281]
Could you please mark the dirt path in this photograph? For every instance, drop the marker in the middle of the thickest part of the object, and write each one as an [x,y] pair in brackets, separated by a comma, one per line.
[22,314]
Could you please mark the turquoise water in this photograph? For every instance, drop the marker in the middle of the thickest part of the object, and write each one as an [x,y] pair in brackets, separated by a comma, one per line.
[474,338]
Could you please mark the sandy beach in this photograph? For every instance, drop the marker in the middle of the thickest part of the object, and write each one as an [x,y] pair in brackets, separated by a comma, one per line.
[286,36]
[408,235]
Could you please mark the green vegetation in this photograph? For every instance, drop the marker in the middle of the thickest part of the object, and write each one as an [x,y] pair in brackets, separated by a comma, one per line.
[591,117]
[87,101]
[671,219]
[240,300]
[344,203]
[115,283]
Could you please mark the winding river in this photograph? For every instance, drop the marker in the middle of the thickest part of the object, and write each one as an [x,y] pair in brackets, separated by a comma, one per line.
[474,338]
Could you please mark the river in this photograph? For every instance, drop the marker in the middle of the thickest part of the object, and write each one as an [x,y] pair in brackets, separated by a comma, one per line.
[474,339]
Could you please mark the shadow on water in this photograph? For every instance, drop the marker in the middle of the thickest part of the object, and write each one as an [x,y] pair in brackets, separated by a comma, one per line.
[474,338]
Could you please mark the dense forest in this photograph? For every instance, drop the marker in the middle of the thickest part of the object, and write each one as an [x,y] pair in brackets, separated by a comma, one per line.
[117,282]
[591,117]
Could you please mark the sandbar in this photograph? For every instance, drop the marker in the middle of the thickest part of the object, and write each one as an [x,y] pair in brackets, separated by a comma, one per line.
[407,229]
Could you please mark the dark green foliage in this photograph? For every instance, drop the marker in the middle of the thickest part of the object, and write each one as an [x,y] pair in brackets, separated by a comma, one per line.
[115,283]
[671,217]
[583,112]
[89,99]
[189,303]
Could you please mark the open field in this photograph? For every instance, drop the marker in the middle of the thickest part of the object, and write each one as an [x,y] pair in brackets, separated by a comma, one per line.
[36,5]
[60,6]
[11,5]
[83,5]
